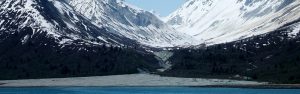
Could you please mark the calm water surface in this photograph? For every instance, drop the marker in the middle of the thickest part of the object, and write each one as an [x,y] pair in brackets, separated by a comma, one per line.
[142,90]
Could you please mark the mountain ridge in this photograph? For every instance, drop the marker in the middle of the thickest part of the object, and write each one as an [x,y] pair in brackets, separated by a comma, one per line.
[125,20]
[57,19]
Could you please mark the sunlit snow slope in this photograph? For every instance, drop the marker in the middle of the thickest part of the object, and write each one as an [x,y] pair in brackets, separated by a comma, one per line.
[220,21]
[131,22]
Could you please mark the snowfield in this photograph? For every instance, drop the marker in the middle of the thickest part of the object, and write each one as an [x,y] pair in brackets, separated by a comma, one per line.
[124,80]
[221,21]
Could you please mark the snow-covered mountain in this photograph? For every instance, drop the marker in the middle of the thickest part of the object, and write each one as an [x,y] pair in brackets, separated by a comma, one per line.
[54,19]
[48,38]
[91,21]
[131,22]
[220,21]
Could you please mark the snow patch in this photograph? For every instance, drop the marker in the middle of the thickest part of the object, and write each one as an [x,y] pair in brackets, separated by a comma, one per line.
[25,39]
[295,31]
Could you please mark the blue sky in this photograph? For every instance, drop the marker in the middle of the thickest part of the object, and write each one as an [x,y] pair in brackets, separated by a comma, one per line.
[162,7]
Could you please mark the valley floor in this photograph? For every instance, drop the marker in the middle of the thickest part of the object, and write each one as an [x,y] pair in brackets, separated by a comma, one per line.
[124,80]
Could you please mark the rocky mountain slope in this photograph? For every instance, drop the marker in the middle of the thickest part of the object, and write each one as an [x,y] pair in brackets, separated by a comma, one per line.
[48,38]
[131,22]
[273,57]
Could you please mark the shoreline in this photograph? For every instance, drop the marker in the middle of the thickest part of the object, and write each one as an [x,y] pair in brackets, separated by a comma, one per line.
[142,80]
[208,86]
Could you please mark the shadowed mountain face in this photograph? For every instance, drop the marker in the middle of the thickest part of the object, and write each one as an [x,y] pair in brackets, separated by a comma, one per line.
[55,18]
[44,39]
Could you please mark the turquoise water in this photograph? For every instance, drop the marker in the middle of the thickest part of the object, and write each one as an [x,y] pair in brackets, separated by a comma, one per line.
[142,90]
